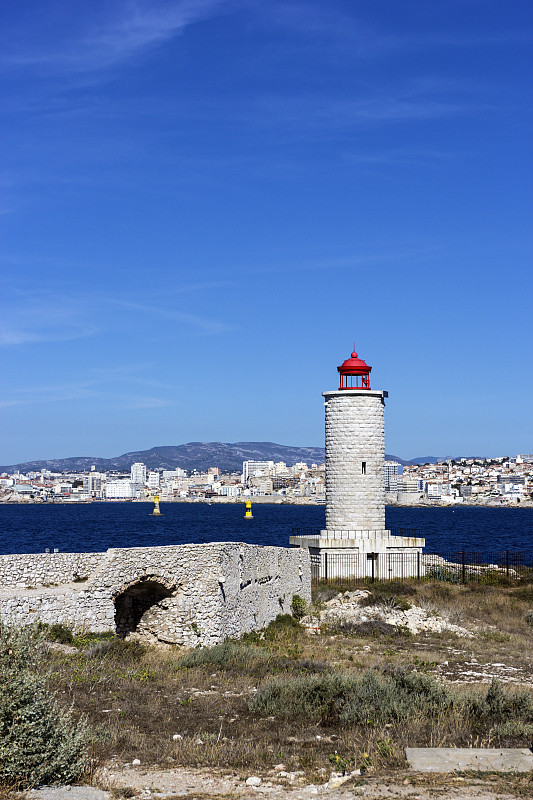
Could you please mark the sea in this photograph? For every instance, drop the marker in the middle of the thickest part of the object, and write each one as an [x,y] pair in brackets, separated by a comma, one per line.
[94,527]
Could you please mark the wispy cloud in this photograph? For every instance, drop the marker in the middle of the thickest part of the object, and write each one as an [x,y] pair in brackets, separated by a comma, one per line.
[100,383]
[124,30]
[33,318]
[41,316]
[202,325]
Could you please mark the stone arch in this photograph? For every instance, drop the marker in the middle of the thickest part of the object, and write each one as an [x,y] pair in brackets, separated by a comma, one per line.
[133,601]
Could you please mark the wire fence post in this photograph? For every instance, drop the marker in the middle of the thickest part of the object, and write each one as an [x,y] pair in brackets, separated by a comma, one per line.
[373,559]
[418,565]
[507,563]
[463,565]
[326,567]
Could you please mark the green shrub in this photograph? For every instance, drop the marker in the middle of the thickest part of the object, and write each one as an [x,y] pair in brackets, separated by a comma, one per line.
[316,697]
[513,729]
[115,647]
[372,698]
[503,702]
[228,655]
[284,626]
[39,741]
[298,606]
[56,633]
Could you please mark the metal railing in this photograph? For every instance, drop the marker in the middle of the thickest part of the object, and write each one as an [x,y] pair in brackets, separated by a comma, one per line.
[458,567]
[315,532]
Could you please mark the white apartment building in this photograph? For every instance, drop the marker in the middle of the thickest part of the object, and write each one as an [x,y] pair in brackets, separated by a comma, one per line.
[391,470]
[138,473]
[153,480]
[92,483]
[174,473]
[256,469]
[121,490]
[301,466]
[230,491]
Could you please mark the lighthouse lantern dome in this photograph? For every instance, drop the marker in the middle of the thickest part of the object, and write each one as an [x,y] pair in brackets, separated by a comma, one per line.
[354,373]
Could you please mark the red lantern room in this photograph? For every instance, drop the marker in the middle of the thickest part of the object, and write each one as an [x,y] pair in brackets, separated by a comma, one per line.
[354,373]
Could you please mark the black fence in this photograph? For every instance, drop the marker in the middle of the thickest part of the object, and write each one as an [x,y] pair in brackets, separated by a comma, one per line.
[460,567]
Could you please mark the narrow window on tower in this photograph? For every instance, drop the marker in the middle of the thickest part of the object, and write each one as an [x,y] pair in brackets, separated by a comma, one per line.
[363,467]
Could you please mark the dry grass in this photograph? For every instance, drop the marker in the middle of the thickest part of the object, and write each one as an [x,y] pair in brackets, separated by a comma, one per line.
[137,699]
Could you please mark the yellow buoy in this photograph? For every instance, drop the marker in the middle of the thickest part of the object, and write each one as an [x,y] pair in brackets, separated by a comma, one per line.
[248,514]
[156,512]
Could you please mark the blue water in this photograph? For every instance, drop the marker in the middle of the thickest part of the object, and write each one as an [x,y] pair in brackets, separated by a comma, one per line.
[97,526]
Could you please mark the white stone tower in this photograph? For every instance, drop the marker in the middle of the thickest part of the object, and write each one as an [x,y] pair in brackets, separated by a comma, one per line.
[356,541]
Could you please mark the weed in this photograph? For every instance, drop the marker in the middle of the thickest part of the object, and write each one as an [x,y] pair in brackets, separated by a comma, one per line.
[523,593]
[339,763]
[512,730]
[494,636]
[386,600]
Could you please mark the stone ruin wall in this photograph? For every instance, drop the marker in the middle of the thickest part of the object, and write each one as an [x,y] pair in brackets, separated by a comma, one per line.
[27,571]
[182,594]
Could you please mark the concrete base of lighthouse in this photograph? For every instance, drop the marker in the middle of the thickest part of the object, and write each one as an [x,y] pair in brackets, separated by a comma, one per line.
[377,555]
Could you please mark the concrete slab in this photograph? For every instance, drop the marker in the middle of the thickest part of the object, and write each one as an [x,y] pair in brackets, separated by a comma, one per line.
[67,793]
[450,759]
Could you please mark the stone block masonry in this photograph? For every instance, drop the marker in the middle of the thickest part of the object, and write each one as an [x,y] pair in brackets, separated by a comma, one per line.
[355,455]
[182,594]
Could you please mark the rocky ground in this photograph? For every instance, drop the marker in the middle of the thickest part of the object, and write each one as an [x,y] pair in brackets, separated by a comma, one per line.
[201,784]
[351,608]
[462,635]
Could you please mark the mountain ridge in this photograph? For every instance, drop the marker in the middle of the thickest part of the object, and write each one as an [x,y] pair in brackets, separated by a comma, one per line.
[193,455]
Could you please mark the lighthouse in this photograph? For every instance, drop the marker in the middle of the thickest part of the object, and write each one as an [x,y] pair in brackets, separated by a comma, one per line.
[355,451]
[355,542]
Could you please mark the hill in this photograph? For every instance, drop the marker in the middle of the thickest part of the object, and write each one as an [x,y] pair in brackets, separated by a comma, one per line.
[194,455]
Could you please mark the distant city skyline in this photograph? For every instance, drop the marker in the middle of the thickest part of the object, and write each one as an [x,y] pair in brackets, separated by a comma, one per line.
[206,203]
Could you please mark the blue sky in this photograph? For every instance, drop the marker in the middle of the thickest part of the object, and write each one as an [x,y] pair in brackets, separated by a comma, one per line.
[206,202]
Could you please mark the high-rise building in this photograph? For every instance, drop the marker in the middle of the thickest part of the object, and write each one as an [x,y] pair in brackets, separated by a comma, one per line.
[153,480]
[138,473]
[391,471]
[256,469]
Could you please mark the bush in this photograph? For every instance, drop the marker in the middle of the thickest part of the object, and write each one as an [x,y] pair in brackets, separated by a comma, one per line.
[39,742]
[503,703]
[315,697]
[228,655]
[372,698]
[298,606]
[284,626]
[372,628]
[56,633]
[387,600]
[115,647]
